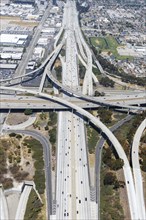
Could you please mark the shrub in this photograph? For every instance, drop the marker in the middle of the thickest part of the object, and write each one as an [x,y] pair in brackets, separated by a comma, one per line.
[117,164]
[28,111]
[53,118]
[52,134]
[105,81]
[143,167]
[12,134]
[7,183]
[19,136]
[109,179]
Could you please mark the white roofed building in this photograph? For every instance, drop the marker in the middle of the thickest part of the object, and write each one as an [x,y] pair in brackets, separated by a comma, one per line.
[39,52]
[13,39]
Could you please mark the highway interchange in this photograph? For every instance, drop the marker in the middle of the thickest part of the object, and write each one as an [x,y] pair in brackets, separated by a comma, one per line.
[73,199]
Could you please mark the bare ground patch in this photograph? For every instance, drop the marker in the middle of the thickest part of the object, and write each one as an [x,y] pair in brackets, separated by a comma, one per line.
[24,23]
[16,118]
[91,159]
[19,164]
[123,196]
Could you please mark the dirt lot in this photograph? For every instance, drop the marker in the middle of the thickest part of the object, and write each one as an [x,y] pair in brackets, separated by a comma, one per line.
[24,23]
[91,159]
[123,195]
[19,161]
[16,118]
[15,21]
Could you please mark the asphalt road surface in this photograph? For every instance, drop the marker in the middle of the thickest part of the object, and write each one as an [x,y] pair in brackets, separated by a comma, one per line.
[98,154]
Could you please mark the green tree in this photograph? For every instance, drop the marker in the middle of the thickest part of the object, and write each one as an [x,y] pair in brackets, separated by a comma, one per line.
[97,93]
[52,134]
[105,115]
[109,179]
[43,116]
[12,134]
[143,167]
[53,118]
[117,164]
[105,81]
[28,111]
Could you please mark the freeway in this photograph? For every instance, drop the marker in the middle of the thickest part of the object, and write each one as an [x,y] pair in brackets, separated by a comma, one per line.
[137,170]
[77,93]
[98,154]
[53,58]
[2,121]
[111,137]
[69,86]
[73,196]
[102,102]
[87,56]
[23,203]
[72,185]
[21,102]
[4,214]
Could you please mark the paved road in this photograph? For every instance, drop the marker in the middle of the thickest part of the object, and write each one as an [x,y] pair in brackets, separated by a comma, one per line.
[72,186]
[23,102]
[47,158]
[98,154]
[20,213]
[80,96]
[23,125]
[2,121]
[4,215]
[23,64]
[137,170]
[98,123]
[109,134]
[53,58]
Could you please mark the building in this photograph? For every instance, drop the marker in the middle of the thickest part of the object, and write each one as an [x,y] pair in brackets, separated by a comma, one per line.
[13,39]
[27,2]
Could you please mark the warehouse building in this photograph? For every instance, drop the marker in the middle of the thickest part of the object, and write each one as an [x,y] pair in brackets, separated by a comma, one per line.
[13,39]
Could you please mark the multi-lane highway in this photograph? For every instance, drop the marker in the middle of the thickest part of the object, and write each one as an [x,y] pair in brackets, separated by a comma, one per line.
[111,137]
[72,185]
[24,102]
[73,195]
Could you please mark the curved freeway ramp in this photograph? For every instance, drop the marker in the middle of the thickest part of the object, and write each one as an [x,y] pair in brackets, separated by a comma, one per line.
[23,125]
[4,215]
[137,171]
[23,203]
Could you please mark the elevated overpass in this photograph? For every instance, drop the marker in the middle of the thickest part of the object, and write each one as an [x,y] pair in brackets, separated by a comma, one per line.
[23,202]
[32,102]
[137,170]
[4,214]
[68,89]
[126,168]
